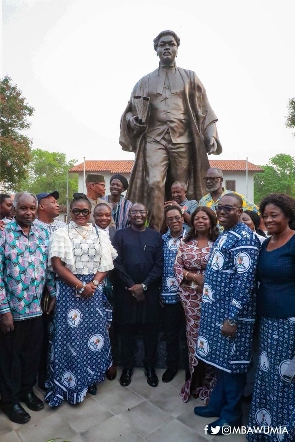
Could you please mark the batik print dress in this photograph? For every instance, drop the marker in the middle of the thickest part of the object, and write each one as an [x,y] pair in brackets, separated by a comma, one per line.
[273,404]
[191,258]
[80,347]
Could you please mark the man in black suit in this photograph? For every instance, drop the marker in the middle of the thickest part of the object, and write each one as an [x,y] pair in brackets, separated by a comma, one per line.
[139,268]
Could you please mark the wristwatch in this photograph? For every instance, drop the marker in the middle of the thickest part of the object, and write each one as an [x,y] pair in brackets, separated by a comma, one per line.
[144,287]
[182,211]
[232,322]
[95,282]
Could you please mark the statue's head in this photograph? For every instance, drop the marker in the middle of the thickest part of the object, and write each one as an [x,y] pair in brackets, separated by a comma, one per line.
[163,34]
[166,45]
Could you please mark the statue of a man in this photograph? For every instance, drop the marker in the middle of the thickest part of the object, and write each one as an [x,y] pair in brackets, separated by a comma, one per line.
[170,126]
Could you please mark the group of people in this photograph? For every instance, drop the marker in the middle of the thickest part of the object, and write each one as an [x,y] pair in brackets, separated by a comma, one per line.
[70,292]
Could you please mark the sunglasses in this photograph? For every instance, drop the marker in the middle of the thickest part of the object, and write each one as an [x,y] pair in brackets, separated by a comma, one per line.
[226,208]
[84,212]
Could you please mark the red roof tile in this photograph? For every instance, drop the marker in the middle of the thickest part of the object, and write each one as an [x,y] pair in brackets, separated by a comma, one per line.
[125,166]
[234,165]
[113,166]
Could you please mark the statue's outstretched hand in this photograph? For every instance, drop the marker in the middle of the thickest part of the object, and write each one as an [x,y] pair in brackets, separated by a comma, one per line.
[135,125]
[211,145]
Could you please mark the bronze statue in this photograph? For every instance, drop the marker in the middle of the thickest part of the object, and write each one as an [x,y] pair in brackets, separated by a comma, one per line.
[170,126]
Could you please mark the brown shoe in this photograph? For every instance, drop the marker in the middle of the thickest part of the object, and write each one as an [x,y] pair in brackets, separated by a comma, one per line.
[111,373]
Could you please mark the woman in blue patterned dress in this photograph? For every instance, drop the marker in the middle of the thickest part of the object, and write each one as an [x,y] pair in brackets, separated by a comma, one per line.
[274,396]
[81,255]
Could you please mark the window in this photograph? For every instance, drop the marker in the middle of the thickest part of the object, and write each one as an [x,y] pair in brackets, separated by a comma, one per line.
[230,185]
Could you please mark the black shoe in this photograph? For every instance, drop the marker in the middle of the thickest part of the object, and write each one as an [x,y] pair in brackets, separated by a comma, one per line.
[92,389]
[32,401]
[125,378]
[152,378]
[16,413]
[169,375]
[206,412]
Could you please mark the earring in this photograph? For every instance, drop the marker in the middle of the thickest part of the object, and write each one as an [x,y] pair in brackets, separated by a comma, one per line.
[210,231]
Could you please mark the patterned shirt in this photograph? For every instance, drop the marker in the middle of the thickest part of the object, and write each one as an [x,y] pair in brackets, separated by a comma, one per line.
[169,288]
[51,227]
[228,293]
[120,212]
[6,220]
[208,201]
[23,270]
[189,206]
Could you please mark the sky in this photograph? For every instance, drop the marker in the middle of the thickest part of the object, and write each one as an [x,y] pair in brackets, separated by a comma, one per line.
[76,62]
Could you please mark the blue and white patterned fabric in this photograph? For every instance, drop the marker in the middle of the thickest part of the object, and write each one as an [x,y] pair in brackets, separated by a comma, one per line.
[169,288]
[229,293]
[80,346]
[274,397]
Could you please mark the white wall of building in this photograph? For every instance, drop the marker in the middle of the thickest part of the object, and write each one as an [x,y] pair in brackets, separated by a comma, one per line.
[241,184]
[238,177]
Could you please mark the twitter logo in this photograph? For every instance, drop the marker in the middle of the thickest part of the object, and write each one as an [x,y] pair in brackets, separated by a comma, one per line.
[215,430]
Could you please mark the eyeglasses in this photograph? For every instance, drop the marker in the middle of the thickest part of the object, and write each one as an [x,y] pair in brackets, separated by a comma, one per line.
[172,218]
[84,212]
[134,212]
[226,208]
[211,178]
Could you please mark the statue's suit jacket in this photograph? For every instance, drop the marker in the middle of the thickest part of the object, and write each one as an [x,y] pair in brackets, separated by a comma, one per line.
[200,116]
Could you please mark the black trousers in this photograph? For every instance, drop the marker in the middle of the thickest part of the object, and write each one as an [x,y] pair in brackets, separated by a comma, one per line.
[114,341]
[173,320]
[19,359]
[128,334]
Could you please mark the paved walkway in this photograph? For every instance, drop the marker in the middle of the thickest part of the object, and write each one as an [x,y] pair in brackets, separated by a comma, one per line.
[131,414]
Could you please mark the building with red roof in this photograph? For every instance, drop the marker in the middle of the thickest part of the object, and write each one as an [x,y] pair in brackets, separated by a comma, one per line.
[238,175]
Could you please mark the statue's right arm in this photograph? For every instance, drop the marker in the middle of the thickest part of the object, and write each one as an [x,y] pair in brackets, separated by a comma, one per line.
[132,122]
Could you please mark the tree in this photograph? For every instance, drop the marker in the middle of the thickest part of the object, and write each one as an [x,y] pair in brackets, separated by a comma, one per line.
[290,119]
[15,148]
[278,176]
[47,172]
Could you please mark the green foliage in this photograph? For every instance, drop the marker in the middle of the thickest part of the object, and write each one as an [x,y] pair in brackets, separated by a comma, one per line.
[15,148]
[278,176]
[290,119]
[47,172]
